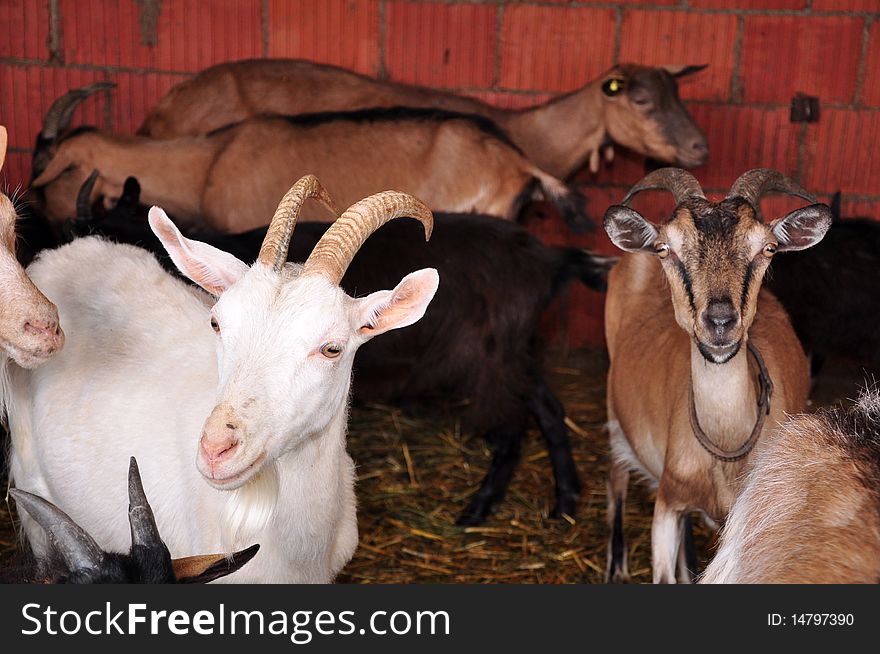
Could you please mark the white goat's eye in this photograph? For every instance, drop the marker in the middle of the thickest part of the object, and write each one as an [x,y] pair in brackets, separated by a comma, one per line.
[331,350]
[662,250]
[770,249]
[215,325]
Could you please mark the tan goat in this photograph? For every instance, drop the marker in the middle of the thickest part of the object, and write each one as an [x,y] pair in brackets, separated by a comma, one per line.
[703,362]
[634,106]
[228,176]
[809,511]
[29,329]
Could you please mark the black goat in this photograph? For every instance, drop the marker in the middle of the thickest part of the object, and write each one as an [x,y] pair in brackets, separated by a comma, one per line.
[82,561]
[478,341]
[832,292]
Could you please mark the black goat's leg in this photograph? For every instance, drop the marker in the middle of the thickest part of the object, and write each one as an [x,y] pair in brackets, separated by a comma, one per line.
[687,557]
[549,413]
[506,444]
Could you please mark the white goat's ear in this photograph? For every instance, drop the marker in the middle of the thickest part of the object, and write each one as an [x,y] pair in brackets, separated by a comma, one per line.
[802,228]
[406,304]
[3,140]
[212,269]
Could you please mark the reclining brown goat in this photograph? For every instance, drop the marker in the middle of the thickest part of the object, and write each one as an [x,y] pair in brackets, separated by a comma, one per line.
[634,106]
[453,162]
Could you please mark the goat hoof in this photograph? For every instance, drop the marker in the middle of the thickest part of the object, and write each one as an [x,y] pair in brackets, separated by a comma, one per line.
[474,515]
[618,577]
[566,504]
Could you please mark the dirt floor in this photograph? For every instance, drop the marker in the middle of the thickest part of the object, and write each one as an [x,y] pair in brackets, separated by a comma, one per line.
[415,474]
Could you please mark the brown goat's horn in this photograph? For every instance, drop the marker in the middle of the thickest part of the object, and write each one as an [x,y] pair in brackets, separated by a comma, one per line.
[59,114]
[755,183]
[675,180]
[76,547]
[273,252]
[144,531]
[336,249]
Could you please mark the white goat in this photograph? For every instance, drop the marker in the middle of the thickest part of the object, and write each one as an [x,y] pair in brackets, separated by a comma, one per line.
[29,329]
[143,371]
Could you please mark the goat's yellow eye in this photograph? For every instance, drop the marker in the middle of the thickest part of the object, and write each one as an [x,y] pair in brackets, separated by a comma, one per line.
[331,350]
[613,86]
[770,249]
[662,250]
[215,325]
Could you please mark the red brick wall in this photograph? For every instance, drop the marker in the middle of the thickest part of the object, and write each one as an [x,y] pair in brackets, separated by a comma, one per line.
[511,53]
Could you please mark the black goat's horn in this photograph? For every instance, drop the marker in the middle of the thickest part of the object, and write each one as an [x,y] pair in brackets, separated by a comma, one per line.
[144,531]
[84,198]
[59,114]
[73,543]
[679,182]
[755,183]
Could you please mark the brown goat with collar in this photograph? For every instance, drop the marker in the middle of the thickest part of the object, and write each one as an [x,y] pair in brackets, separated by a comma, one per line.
[684,318]
[809,511]
[634,106]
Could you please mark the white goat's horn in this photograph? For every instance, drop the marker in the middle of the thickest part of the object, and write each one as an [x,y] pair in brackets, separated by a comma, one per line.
[336,249]
[273,252]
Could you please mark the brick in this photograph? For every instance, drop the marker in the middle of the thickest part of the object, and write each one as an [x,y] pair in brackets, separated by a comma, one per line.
[860,208]
[555,48]
[674,37]
[16,172]
[191,35]
[741,138]
[25,29]
[748,4]
[782,55]
[446,45]
[842,152]
[136,94]
[871,85]
[846,5]
[339,32]
[35,88]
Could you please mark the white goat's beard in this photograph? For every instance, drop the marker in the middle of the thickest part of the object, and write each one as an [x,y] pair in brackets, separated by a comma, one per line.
[249,509]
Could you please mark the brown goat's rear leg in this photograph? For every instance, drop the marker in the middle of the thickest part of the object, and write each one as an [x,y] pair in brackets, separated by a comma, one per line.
[549,413]
[618,568]
[506,444]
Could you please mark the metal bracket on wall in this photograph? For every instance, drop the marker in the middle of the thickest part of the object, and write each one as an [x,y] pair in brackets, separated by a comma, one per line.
[804,109]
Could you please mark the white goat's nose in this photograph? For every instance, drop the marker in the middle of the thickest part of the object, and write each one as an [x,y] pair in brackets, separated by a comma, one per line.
[218,445]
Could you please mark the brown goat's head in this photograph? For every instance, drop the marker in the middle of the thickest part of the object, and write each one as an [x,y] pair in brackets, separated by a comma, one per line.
[29,330]
[715,254]
[644,113]
[62,158]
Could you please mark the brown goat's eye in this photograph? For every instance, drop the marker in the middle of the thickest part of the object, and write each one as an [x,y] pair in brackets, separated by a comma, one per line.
[662,250]
[613,86]
[331,350]
[770,249]
[215,325]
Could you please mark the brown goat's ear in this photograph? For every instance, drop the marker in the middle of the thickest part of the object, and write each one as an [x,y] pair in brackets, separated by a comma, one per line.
[208,567]
[628,230]
[212,269]
[684,71]
[57,165]
[802,228]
